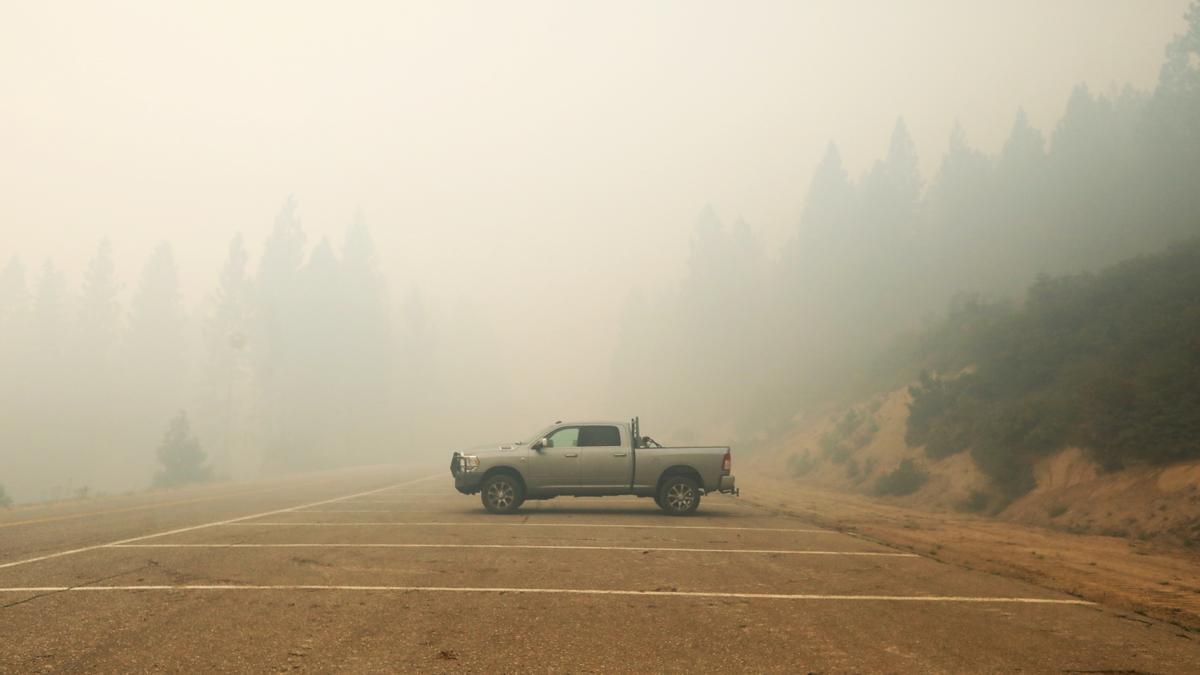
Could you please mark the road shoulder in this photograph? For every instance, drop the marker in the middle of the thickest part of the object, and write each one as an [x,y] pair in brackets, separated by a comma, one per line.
[1141,578]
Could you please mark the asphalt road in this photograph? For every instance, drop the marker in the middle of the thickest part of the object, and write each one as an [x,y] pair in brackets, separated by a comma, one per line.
[392,570]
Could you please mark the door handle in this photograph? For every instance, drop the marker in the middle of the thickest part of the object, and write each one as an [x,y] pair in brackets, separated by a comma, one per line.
[570,454]
[620,454]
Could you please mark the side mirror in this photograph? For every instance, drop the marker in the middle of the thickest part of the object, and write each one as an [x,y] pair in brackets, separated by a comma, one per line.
[539,444]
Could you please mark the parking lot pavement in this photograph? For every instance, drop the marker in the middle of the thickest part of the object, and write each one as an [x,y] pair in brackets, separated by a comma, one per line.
[399,572]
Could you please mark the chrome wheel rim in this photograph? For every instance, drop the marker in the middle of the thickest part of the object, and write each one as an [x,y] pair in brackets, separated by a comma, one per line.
[680,497]
[500,494]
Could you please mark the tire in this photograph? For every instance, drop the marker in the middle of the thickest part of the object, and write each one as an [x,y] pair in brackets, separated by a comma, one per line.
[502,493]
[679,496]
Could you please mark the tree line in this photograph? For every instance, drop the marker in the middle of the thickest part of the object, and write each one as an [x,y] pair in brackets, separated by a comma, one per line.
[879,256]
[302,360]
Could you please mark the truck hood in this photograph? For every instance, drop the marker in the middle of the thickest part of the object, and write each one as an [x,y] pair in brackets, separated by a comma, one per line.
[494,450]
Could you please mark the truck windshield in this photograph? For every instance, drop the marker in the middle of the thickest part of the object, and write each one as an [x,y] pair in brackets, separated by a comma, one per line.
[539,435]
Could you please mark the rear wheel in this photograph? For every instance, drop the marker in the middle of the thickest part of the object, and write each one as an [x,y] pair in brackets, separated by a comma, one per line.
[679,495]
[501,493]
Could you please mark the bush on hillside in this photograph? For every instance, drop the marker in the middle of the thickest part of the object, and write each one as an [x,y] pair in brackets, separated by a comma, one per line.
[851,433]
[800,464]
[975,502]
[1109,362]
[905,479]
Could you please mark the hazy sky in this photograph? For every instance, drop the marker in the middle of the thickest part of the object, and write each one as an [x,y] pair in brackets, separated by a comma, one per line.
[530,155]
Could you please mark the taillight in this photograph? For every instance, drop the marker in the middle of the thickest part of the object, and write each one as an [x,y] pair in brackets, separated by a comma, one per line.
[728,463]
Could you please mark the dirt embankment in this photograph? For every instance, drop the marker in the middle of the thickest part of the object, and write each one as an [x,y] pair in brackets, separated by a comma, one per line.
[1073,494]
[861,450]
[1127,538]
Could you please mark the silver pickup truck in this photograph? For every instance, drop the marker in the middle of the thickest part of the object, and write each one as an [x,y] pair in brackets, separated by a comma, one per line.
[592,459]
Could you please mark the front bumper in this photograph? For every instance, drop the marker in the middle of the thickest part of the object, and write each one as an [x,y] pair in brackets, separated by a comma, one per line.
[727,486]
[466,482]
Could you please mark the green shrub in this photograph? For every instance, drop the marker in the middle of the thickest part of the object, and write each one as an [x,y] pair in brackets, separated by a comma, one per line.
[800,464]
[828,443]
[868,466]
[5,500]
[182,458]
[905,479]
[976,502]
[852,470]
[851,433]
[1109,362]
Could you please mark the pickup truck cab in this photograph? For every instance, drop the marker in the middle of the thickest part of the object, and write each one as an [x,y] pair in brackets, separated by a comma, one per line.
[592,459]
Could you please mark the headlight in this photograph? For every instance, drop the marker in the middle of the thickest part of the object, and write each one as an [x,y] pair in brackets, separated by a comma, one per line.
[468,462]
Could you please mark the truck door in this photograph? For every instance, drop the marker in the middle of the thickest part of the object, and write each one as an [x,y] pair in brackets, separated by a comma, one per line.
[556,465]
[607,462]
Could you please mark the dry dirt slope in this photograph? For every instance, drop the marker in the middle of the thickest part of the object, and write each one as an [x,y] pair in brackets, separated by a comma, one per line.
[851,449]
[1129,538]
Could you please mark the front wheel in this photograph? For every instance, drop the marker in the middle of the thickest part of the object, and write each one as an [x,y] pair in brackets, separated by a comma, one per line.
[501,493]
[679,495]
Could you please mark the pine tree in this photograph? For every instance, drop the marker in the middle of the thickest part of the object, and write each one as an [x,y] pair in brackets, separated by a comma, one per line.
[181,457]
[99,311]
[1179,78]
[1173,130]
[415,384]
[896,180]
[830,203]
[278,313]
[960,225]
[155,351]
[230,313]
[96,421]
[156,324]
[49,312]
[1025,148]
[883,272]
[226,342]
[47,385]
[368,353]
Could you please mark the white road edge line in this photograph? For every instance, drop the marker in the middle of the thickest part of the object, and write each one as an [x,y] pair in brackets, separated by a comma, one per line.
[230,521]
[565,591]
[275,523]
[534,546]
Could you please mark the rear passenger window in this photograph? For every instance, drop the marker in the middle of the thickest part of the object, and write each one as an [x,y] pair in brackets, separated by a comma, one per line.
[599,436]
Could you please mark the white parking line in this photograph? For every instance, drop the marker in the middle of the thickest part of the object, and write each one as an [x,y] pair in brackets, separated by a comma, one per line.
[275,523]
[344,511]
[393,511]
[408,494]
[638,549]
[230,521]
[563,591]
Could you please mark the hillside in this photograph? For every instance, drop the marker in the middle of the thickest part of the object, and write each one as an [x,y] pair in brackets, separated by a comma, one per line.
[1078,409]
[1071,492]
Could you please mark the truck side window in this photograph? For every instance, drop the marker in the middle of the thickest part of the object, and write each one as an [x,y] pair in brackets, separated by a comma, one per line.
[605,436]
[567,437]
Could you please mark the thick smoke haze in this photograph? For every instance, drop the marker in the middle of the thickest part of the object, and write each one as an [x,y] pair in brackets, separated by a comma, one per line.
[353,234]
